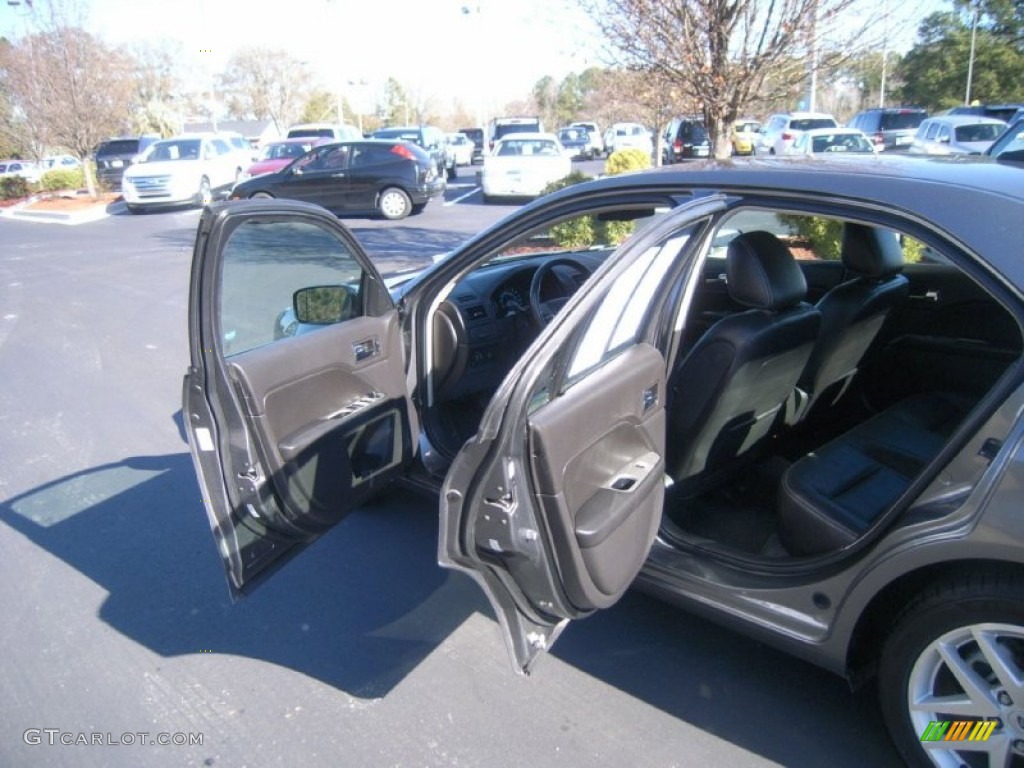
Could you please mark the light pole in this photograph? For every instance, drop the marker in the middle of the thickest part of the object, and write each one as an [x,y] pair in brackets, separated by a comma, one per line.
[970,59]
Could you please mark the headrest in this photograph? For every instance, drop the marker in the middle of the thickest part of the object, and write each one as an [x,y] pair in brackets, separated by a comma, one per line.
[871,252]
[762,273]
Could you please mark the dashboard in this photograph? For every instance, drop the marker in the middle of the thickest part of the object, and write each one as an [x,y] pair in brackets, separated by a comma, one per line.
[486,323]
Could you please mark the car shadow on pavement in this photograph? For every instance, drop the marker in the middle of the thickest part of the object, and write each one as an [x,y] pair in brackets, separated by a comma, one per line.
[367,603]
[730,685]
[399,246]
[351,611]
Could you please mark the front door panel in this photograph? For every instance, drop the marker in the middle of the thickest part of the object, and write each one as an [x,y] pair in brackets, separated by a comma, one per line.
[295,402]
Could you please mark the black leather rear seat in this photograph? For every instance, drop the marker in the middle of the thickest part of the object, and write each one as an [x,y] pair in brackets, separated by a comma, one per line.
[833,495]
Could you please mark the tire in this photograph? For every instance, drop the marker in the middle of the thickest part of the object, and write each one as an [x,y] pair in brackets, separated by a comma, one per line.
[955,615]
[205,194]
[453,173]
[394,204]
[261,196]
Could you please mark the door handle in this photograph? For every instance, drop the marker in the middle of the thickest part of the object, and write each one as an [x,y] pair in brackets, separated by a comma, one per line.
[930,296]
[650,397]
[366,348]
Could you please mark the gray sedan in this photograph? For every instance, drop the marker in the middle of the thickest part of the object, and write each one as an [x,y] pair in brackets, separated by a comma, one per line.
[786,396]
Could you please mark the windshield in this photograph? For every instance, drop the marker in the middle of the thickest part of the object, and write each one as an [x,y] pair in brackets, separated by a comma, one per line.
[527,148]
[604,231]
[285,151]
[807,123]
[841,142]
[173,149]
[749,127]
[1011,141]
[570,136]
[979,132]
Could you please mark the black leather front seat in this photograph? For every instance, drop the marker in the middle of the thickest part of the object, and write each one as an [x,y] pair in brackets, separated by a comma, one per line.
[852,313]
[725,395]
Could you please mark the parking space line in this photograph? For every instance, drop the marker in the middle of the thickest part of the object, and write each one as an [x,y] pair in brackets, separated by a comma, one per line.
[460,198]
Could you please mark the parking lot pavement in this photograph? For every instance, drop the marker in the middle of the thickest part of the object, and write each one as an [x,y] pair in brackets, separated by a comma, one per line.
[361,652]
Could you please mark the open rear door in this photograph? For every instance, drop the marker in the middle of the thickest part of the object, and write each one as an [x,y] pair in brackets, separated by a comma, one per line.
[295,401]
[553,506]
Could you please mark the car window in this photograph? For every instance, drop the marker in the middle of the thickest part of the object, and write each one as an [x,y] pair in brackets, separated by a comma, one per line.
[978,132]
[120,147]
[1012,141]
[901,121]
[943,134]
[264,263]
[809,123]
[372,154]
[617,323]
[933,131]
[808,237]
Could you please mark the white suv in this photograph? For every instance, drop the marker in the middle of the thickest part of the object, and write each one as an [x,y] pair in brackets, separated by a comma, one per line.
[780,131]
[186,169]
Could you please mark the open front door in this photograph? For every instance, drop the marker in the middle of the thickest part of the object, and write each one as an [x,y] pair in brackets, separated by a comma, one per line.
[295,402]
[553,506]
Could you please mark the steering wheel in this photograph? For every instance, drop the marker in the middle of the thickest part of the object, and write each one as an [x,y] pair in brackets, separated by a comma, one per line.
[542,312]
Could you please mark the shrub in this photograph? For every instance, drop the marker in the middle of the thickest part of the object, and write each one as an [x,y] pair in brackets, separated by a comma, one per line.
[576,177]
[626,160]
[13,187]
[823,235]
[62,178]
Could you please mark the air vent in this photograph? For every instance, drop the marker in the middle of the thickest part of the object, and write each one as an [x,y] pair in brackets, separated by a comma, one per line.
[475,313]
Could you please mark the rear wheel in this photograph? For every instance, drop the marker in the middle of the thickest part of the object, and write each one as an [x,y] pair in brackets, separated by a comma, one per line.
[956,656]
[394,203]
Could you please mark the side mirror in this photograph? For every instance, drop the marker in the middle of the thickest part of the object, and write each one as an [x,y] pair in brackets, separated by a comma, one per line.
[324,304]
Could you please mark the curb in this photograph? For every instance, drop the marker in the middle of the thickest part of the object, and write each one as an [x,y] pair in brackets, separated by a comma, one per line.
[56,217]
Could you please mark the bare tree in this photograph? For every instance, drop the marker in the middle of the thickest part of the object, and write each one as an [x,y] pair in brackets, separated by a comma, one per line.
[728,57]
[70,89]
[266,84]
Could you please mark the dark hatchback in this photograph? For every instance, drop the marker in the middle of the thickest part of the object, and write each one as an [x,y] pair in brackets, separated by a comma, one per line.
[389,178]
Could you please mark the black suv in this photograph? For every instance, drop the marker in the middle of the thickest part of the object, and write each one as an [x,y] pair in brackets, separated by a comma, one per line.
[430,139]
[685,138]
[114,155]
[891,129]
[476,135]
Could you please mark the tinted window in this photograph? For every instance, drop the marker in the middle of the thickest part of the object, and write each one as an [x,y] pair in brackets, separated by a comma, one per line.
[315,133]
[901,121]
[808,123]
[980,132]
[119,147]
[264,263]
[373,155]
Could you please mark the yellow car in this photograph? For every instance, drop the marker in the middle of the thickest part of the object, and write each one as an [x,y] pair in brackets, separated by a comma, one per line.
[743,135]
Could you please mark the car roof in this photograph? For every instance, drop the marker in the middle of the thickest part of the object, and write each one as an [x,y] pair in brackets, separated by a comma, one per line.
[833,131]
[528,135]
[965,120]
[933,188]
